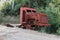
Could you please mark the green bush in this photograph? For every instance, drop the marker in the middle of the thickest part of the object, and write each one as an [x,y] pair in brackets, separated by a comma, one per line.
[1,17]
[58,31]
[51,29]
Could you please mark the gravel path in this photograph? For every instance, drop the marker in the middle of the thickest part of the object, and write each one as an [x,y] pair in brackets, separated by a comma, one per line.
[24,34]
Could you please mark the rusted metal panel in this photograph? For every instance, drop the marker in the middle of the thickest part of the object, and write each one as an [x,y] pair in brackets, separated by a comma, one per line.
[32,17]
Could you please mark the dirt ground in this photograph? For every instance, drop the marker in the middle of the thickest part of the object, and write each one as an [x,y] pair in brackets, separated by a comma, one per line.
[7,33]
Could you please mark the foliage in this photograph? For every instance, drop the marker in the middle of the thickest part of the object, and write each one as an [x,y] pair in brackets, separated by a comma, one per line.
[7,10]
[1,17]
[58,31]
[53,11]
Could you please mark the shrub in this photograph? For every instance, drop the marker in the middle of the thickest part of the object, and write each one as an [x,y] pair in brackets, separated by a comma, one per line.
[51,29]
[1,17]
[58,31]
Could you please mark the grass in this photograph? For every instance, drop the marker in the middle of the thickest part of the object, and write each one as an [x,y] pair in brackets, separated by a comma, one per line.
[9,19]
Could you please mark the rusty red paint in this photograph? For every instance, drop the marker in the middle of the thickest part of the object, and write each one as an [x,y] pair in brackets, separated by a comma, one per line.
[31,17]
